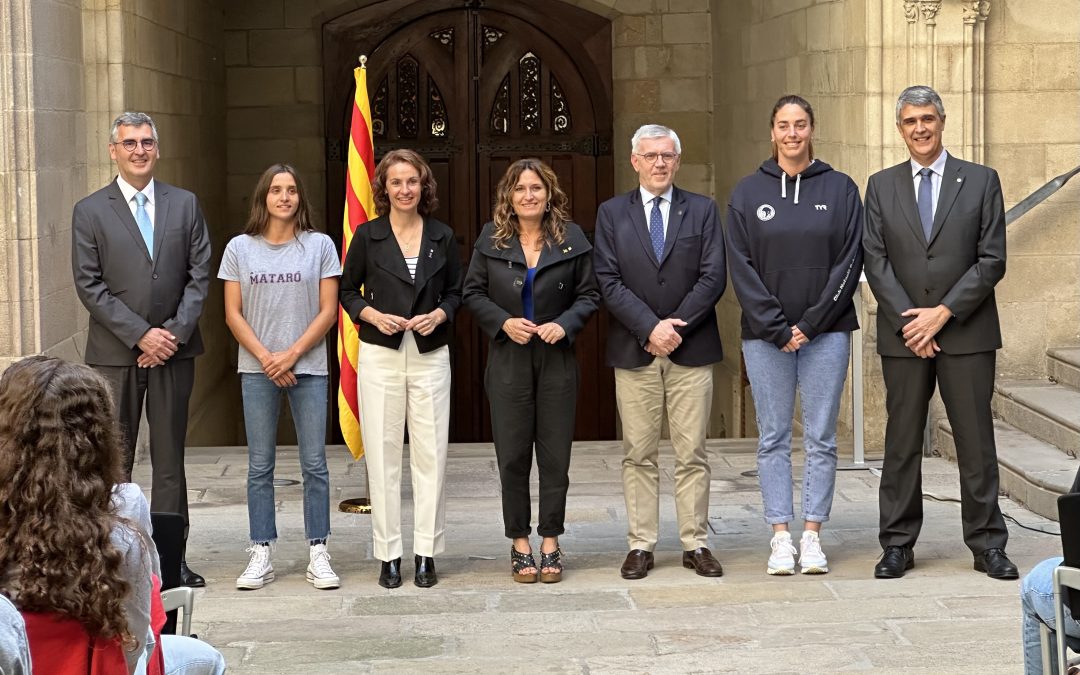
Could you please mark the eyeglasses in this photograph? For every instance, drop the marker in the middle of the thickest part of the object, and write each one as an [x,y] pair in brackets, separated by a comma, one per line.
[129,144]
[664,157]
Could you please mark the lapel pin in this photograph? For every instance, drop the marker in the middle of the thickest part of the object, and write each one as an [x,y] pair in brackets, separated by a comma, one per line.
[430,252]
[568,249]
[959,180]
[679,212]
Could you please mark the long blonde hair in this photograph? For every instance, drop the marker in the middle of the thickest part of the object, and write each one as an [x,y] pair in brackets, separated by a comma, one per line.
[552,225]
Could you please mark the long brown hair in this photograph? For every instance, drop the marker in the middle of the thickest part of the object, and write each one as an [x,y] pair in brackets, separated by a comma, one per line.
[792,99]
[552,225]
[427,203]
[259,216]
[59,459]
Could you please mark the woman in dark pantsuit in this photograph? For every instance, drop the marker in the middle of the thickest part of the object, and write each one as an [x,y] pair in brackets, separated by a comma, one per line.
[531,288]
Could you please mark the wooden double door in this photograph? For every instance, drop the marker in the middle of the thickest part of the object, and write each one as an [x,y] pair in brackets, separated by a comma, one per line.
[474,86]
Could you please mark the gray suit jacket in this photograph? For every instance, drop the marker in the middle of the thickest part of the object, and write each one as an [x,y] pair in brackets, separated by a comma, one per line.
[126,291]
[958,267]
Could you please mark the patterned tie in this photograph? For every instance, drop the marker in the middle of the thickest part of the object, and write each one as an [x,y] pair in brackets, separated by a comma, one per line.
[926,202]
[656,229]
[142,218]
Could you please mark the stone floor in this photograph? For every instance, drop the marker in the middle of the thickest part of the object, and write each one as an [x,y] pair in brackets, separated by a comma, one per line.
[941,618]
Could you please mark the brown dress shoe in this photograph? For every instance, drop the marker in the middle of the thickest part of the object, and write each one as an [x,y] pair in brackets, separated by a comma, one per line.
[702,561]
[637,564]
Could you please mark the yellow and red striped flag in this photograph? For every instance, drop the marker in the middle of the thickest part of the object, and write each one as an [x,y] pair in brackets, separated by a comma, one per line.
[359,208]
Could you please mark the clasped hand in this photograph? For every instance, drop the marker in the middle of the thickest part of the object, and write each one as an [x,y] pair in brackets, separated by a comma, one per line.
[920,333]
[424,324]
[664,339]
[157,345]
[522,330]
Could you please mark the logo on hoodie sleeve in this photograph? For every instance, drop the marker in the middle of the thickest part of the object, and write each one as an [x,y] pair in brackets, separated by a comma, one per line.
[765,212]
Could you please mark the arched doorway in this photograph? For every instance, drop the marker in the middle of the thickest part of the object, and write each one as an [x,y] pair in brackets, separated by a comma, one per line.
[474,87]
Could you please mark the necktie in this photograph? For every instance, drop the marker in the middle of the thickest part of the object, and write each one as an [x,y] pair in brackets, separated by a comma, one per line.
[656,229]
[142,219]
[926,202]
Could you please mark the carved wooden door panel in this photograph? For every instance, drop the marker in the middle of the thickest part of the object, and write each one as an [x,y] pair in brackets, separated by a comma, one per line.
[473,90]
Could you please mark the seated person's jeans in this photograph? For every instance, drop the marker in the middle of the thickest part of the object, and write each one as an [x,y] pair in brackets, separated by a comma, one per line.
[1037,601]
[187,656]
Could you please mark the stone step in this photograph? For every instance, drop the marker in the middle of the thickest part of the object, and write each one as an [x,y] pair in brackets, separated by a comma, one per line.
[1032,472]
[1047,411]
[1063,365]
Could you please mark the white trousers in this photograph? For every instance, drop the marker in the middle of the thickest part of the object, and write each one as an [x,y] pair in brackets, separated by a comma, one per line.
[395,387]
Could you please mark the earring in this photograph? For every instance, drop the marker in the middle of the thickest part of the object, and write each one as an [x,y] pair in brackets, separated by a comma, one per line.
[547,207]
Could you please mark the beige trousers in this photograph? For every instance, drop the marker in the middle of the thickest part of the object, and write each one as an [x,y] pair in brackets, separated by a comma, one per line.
[395,387]
[643,394]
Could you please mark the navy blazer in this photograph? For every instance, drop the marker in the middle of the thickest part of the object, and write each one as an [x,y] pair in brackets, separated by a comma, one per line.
[640,291]
[564,289]
[375,263]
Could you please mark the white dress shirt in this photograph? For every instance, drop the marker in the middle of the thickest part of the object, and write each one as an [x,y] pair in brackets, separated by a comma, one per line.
[129,195]
[665,206]
[938,168]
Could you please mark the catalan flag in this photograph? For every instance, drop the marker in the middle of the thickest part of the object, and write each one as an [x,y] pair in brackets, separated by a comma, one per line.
[359,208]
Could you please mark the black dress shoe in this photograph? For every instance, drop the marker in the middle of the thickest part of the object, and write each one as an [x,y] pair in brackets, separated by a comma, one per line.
[637,564]
[425,572]
[894,562]
[702,561]
[190,578]
[390,577]
[996,564]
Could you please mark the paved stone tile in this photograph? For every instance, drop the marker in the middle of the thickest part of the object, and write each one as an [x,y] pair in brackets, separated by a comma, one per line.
[940,618]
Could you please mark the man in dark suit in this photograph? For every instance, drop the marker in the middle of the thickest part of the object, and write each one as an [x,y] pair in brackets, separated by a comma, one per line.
[659,258]
[140,255]
[935,249]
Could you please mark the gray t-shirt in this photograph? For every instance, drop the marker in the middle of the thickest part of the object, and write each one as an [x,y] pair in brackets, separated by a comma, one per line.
[279,289]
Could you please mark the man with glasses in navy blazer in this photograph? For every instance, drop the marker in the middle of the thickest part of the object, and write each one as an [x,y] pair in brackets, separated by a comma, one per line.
[659,259]
[140,256]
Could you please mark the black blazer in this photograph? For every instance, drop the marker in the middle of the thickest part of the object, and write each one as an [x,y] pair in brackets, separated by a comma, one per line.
[564,288]
[375,262]
[958,267]
[640,292]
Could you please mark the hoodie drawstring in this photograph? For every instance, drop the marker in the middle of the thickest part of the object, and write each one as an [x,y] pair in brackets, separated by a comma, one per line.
[783,186]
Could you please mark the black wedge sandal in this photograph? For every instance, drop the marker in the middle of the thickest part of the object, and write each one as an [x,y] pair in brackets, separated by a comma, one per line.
[522,561]
[551,560]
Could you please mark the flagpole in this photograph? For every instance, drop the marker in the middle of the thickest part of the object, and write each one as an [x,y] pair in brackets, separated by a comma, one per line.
[362,504]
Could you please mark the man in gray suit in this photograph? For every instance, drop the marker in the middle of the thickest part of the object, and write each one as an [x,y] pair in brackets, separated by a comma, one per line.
[935,249]
[140,255]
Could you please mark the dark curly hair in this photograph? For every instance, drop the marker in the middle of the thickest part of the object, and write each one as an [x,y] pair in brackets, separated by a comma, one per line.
[59,459]
[427,203]
[553,225]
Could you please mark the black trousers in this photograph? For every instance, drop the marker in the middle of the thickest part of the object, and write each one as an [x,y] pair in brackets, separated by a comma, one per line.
[532,389]
[967,384]
[167,390]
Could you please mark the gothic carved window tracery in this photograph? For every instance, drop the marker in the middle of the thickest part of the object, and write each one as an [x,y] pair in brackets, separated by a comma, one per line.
[445,37]
[378,110]
[500,109]
[491,36]
[560,109]
[436,110]
[408,74]
[529,77]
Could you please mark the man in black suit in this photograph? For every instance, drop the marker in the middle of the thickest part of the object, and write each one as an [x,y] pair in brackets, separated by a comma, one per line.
[935,249]
[140,256]
[659,258]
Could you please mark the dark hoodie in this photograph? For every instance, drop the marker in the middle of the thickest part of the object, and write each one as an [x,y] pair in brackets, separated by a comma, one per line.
[795,251]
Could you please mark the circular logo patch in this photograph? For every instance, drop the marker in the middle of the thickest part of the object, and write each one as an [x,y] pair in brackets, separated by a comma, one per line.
[765,212]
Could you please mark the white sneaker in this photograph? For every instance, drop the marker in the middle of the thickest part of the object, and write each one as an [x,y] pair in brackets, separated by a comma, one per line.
[782,559]
[319,571]
[811,557]
[259,571]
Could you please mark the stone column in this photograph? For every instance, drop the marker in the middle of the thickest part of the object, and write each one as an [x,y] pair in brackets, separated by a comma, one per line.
[974,69]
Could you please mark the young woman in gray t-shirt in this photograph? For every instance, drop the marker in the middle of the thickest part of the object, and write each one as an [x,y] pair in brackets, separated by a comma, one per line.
[281,287]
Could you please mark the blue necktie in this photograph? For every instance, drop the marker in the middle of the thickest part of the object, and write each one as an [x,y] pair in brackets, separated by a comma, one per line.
[142,219]
[926,202]
[656,229]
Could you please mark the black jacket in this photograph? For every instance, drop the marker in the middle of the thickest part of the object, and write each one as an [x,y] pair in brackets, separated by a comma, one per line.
[564,288]
[795,251]
[375,263]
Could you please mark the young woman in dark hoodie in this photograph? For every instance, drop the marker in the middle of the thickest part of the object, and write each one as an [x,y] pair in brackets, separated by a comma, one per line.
[795,253]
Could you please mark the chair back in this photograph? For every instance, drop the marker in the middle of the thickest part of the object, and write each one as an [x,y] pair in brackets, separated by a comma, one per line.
[60,645]
[1069,521]
[169,541]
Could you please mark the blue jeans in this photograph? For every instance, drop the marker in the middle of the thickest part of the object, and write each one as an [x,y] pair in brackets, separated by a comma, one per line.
[1037,602]
[817,370]
[262,403]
